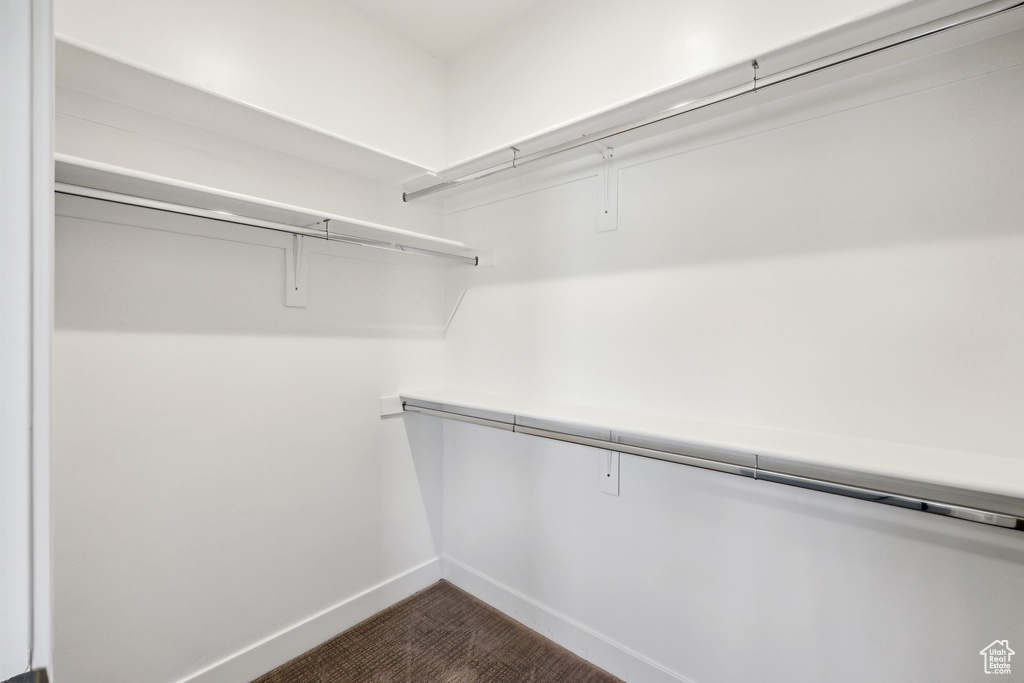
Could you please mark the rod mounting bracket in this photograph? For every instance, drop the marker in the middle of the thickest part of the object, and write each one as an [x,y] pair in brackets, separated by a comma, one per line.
[296,291]
[608,193]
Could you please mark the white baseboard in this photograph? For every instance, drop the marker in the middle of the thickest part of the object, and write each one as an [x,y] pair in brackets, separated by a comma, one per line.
[261,657]
[614,658]
[277,649]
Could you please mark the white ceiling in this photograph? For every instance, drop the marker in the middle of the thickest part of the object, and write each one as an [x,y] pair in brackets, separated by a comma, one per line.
[444,28]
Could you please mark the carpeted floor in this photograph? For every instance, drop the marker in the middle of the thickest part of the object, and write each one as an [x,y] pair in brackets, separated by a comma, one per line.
[441,634]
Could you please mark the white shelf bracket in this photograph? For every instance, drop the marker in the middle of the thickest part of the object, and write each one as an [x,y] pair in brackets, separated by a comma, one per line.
[608,195]
[391,406]
[296,258]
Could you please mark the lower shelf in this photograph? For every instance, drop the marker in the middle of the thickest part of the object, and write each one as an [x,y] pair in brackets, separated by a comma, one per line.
[935,492]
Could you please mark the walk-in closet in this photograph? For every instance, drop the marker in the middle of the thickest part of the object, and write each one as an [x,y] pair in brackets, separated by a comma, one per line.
[552,341]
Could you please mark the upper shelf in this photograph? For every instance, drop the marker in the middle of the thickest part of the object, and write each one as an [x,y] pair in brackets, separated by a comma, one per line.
[983,481]
[871,44]
[89,69]
[107,178]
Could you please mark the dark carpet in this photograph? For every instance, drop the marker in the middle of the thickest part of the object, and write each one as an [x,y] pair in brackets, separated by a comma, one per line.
[439,634]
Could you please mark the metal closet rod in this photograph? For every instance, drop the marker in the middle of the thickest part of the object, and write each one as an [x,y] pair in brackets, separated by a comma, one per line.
[225,217]
[752,470]
[757,84]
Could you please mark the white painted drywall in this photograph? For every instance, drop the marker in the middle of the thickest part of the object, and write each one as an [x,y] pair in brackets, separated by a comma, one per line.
[236,478]
[445,28]
[320,62]
[245,476]
[330,66]
[570,59]
[848,262]
[687,567]
[221,471]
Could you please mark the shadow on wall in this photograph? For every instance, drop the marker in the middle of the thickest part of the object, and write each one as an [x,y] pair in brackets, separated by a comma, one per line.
[908,525]
[853,274]
[687,564]
[937,165]
[127,269]
[425,446]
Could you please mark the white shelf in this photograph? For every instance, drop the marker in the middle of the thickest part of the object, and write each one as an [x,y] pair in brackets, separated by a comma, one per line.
[108,178]
[984,481]
[94,71]
[721,78]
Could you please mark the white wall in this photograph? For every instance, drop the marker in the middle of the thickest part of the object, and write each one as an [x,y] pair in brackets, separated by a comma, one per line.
[688,567]
[221,472]
[235,498]
[236,479]
[317,61]
[848,262]
[570,59]
[329,66]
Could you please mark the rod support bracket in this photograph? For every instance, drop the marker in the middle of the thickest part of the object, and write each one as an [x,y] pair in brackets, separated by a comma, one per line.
[296,291]
[608,192]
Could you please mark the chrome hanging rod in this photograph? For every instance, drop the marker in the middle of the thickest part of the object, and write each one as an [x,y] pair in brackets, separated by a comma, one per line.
[225,217]
[757,84]
[742,464]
